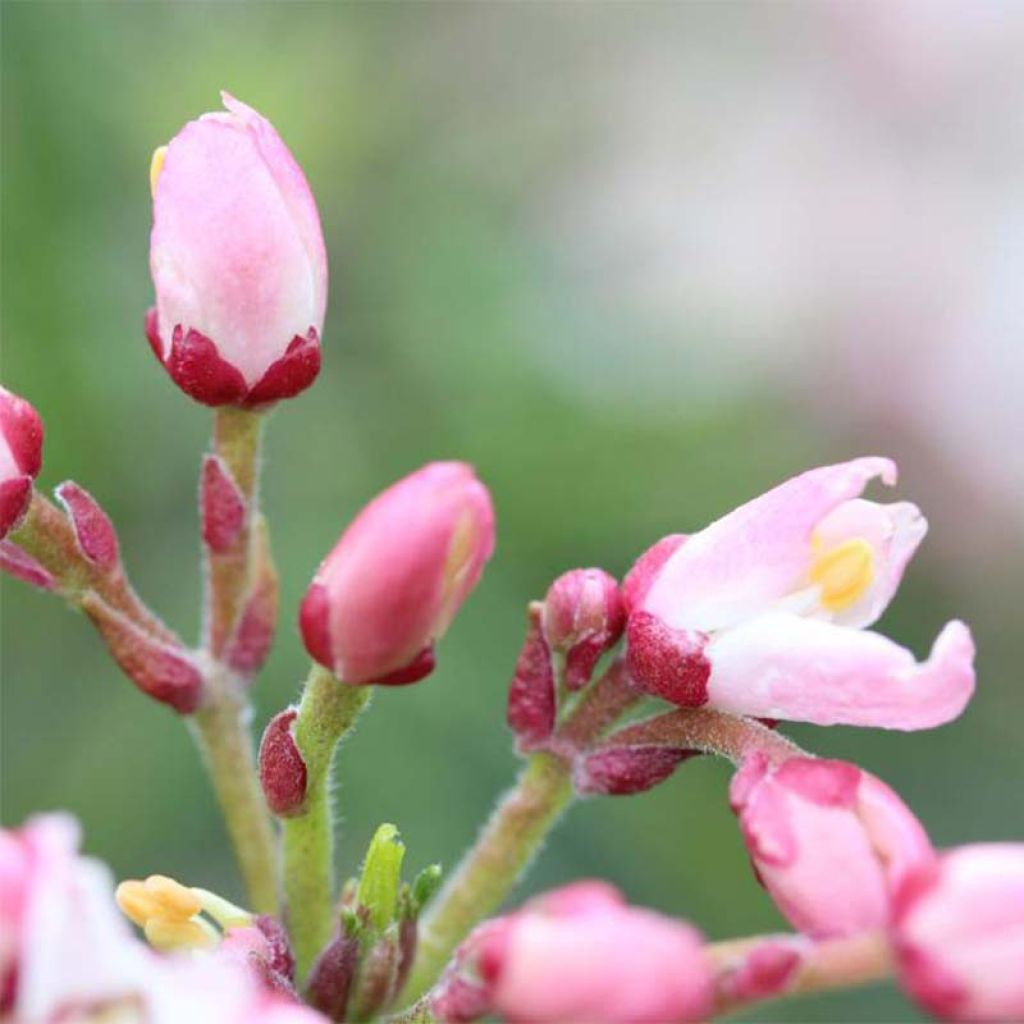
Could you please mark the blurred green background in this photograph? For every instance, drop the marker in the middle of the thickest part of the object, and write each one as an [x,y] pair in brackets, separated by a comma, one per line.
[445,143]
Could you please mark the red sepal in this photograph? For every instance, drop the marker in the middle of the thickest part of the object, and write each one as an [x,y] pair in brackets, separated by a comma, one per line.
[15,496]
[94,531]
[290,374]
[315,625]
[420,667]
[669,663]
[23,430]
[161,672]
[621,771]
[222,505]
[24,567]
[531,694]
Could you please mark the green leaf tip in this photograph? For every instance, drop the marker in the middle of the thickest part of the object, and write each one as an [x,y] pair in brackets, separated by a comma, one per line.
[381,880]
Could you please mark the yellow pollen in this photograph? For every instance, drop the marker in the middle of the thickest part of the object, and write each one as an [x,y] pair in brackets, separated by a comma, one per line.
[168,935]
[156,165]
[844,573]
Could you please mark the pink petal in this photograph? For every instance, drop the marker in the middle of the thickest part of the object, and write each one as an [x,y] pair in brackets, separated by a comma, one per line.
[757,554]
[806,670]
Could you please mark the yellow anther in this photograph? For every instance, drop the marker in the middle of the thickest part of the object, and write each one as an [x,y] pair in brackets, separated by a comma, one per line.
[156,165]
[169,935]
[844,573]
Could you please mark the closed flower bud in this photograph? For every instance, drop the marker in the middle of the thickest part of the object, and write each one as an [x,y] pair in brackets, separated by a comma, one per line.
[830,842]
[21,457]
[238,262]
[584,616]
[283,773]
[396,578]
[959,934]
[580,954]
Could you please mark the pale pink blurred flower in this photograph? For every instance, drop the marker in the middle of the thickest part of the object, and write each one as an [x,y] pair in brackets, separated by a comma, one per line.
[238,262]
[580,955]
[765,611]
[828,841]
[68,957]
[21,457]
[394,581]
[959,934]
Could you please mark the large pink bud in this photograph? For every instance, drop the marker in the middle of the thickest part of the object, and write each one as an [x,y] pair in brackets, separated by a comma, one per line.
[238,262]
[579,954]
[21,457]
[393,583]
[959,934]
[830,842]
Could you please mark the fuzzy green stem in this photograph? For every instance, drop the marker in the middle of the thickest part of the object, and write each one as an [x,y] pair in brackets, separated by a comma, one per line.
[483,880]
[328,711]
[221,730]
[237,434]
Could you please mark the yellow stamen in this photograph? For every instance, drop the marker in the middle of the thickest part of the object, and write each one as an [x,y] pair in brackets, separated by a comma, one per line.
[163,934]
[156,165]
[844,573]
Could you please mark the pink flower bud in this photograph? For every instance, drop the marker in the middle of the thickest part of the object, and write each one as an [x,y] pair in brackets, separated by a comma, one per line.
[828,841]
[238,262]
[959,934]
[584,616]
[97,539]
[581,954]
[332,976]
[531,694]
[396,578]
[21,457]
[763,971]
[282,767]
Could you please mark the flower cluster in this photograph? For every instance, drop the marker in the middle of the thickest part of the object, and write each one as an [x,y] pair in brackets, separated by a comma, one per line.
[709,643]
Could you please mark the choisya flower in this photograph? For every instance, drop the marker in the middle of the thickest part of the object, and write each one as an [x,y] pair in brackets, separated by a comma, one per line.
[765,611]
[67,956]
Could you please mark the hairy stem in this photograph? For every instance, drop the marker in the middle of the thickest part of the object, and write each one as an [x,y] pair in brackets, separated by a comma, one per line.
[826,965]
[221,730]
[710,732]
[487,873]
[328,711]
[237,435]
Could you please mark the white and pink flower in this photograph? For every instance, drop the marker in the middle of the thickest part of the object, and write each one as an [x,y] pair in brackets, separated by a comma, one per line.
[765,612]
[580,955]
[392,584]
[959,934]
[238,262]
[829,842]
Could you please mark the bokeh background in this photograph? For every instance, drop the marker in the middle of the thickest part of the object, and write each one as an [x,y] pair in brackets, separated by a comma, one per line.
[636,262]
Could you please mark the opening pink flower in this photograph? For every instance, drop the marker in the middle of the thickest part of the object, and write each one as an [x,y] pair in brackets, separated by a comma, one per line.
[765,611]
[959,934]
[828,841]
[238,262]
[399,573]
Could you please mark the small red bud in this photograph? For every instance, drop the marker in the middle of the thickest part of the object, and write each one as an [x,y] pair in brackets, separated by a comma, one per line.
[222,505]
[584,616]
[621,771]
[331,979]
[158,669]
[94,531]
[531,694]
[282,768]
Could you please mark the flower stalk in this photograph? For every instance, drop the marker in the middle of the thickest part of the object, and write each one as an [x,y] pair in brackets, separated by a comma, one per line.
[327,713]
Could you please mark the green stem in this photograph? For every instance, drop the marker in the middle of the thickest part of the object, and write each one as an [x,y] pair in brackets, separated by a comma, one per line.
[221,730]
[327,713]
[483,880]
[237,434]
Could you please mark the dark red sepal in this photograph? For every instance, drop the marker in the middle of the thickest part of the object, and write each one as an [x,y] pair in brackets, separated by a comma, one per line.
[625,770]
[94,531]
[290,374]
[420,667]
[532,702]
[282,768]
[315,624]
[163,673]
[669,663]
